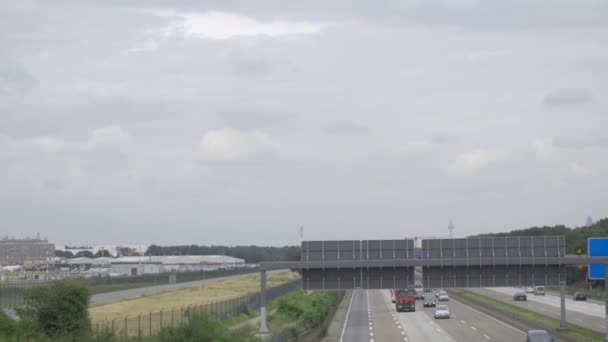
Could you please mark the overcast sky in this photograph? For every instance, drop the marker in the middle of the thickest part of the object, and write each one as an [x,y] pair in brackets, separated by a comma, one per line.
[236,122]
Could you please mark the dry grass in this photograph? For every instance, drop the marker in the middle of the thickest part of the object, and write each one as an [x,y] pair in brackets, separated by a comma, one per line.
[227,289]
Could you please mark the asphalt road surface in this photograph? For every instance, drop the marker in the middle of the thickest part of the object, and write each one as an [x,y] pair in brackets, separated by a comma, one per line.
[372,318]
[109,297]
[584,314]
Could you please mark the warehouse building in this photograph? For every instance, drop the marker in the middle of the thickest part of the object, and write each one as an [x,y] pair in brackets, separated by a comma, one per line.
[25,251]
[138,265]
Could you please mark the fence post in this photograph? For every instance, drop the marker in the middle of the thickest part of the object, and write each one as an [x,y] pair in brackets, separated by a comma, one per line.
[97,328]
[172,312]
[113,326]
[150,323]
[161,320]
[139,325]
[181,315]
[126,327]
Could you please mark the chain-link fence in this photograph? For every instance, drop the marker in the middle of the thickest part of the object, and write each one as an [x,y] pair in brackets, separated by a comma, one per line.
[11,291]
[151,323]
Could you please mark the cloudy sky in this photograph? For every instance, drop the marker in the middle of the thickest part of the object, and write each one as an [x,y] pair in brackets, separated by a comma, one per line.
[236,122]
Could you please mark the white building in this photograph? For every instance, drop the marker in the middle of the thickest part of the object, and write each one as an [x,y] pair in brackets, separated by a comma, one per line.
[137,265]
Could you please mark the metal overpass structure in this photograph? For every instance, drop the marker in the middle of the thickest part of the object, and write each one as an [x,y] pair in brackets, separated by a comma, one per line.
[446,263]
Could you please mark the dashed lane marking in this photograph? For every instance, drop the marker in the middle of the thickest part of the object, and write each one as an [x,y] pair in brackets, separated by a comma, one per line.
[472,327]
[486,336]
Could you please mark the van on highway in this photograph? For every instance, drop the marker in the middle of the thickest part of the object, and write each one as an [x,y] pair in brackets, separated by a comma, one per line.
[539,290]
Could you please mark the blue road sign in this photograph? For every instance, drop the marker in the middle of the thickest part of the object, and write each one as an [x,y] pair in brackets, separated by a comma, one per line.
[418,255]
[597,247]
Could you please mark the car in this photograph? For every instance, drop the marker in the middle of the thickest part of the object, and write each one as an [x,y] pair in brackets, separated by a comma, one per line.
[442,311]
[418,286]
[538,335]
[419,295]
[426,289]
[429,303]
[529,289]
[539,290]
[517,296]
[443,297]
[439,292]
[582,296]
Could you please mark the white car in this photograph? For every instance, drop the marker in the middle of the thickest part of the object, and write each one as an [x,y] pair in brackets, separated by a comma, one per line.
[442,311]
[529,289]
[443,297]
[539,290]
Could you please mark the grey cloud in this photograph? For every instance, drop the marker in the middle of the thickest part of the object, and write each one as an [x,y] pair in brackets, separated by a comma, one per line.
[368,113]
[568,98]
[250,66]
[580,142]
[453,13]
[14,79]
[346,127]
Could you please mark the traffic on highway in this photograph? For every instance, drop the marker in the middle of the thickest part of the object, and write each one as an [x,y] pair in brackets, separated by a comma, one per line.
[412,315]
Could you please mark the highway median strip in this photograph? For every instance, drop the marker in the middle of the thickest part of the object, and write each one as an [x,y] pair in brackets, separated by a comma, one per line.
[525,317]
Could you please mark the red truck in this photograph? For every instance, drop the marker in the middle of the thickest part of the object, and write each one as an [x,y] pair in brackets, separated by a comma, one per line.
[405,300]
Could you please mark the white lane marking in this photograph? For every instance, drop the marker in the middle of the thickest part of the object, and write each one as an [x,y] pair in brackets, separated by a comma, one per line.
[406,339]
[454,315]
[494,319]
[371,340]
[371,328]
[486,336]
[463,322]
[438,330]
[403,333]
[472,327]
[347,314]
[371,334]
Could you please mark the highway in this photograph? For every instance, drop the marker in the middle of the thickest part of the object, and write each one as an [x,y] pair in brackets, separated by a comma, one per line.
[372,317]
[585,314]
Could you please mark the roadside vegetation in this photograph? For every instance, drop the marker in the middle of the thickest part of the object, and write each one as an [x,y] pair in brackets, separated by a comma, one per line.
[296,312]
[60,313]
[527,317]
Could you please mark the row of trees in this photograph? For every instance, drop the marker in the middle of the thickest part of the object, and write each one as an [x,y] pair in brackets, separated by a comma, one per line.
[576,238]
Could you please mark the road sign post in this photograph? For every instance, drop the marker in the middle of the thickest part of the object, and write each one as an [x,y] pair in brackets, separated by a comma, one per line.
[263,319]
[563,325]
[606,299]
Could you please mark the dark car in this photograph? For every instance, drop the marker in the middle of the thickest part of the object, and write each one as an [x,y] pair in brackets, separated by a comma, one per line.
[429,303]
[520,296]
[426,289]
[579,296]
[538,336]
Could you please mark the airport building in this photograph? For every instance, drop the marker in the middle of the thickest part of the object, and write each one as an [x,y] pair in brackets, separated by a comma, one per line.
[25,251]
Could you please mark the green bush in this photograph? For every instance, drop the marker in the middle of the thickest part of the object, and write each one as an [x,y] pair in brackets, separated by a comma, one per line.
[311,309]
[7,325]
[59,310]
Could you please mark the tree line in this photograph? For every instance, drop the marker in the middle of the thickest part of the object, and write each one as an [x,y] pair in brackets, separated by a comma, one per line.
[576,238]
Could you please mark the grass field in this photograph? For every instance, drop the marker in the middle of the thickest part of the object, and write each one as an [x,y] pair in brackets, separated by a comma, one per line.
[223,290]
